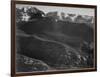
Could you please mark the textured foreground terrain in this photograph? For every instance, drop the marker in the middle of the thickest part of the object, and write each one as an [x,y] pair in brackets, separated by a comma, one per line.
[46,52]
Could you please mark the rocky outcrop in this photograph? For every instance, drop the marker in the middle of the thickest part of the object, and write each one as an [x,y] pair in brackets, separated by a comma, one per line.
[27,64]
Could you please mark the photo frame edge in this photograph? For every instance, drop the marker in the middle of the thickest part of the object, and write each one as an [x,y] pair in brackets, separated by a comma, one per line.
[13,67]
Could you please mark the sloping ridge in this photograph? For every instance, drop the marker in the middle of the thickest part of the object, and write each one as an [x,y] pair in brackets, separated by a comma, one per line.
[66,47]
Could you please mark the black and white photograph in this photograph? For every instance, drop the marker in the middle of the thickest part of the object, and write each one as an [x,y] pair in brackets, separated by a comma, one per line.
[54,38]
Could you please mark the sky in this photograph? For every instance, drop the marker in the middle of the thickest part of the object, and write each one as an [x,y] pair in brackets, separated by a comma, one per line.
[71,10]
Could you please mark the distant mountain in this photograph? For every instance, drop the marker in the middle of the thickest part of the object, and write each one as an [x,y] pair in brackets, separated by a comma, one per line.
[26,14]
